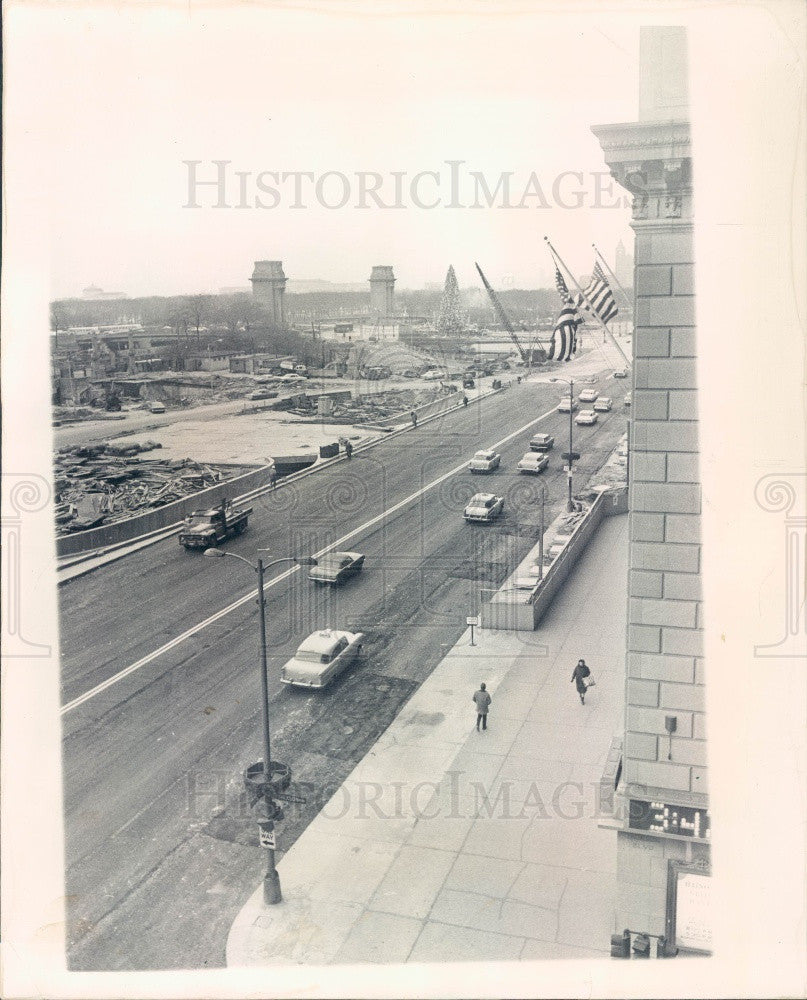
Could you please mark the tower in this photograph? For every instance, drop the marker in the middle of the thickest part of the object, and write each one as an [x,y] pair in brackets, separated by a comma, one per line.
[382,291]
[449,320]
[269,287]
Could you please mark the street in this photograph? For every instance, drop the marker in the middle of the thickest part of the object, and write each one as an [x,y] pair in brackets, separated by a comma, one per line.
[160,846]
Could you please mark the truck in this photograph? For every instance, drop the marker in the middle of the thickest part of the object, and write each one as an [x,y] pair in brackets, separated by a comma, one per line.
[205,529]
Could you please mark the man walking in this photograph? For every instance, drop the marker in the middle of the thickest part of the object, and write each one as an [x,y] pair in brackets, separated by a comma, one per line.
[482,701]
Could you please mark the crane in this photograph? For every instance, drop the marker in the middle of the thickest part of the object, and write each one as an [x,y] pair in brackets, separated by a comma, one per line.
[503,318]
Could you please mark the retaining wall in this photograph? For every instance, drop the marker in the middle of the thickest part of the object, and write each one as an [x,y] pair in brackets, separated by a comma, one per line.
[521,612]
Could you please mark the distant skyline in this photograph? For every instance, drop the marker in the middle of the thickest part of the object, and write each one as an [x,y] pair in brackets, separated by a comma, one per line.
[279,94]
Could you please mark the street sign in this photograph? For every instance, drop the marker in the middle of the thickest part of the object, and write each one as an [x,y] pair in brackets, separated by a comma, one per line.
[565,456]
[267,837]
[473,620]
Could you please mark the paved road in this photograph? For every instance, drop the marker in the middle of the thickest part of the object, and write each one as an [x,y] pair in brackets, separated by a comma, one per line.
[160,848]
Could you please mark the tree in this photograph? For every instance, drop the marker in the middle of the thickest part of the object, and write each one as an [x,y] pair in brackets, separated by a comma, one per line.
[449,320]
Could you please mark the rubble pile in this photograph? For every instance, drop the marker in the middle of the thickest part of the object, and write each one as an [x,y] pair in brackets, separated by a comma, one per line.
[99,484]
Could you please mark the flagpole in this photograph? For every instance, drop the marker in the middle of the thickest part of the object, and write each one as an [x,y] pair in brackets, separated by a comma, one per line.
[559,262]
[618,282]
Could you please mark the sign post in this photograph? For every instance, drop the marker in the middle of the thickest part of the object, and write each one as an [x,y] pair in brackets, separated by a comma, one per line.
[473,621]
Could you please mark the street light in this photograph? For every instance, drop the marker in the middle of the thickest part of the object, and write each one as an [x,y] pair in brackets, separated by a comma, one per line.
[570,383]
[271,880]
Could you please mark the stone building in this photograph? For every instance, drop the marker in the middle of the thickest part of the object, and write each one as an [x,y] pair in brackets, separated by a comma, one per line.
[269,289]
[382,292]
[664,768]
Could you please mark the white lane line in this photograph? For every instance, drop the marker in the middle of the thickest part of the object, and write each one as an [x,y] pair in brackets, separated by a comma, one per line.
[252,595]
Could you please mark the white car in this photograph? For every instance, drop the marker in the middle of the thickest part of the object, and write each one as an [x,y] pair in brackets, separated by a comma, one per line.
[432,376]
[485,461]
[623,373]
[566,405]
[533,461]
[603,404]
[157,407]
[321,658]
[628,398]
[588,395]
[483,508]
[586,418]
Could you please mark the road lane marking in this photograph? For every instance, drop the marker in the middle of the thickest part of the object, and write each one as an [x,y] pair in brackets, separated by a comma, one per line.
[252,595]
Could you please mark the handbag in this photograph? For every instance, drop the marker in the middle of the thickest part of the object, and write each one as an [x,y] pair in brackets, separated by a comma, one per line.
[590,683]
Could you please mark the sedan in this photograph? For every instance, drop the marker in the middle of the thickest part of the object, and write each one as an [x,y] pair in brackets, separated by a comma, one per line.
[533,461]
[542,442]
[586,418]
[483,508]
[603,404]
[485,461]
[321,657]
[566,405]
[336,567]
[621,374]
[262,394]
[588,395]
[628,398]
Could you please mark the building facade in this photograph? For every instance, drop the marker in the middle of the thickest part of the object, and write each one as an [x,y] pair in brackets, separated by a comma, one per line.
[382,291]
[664,786]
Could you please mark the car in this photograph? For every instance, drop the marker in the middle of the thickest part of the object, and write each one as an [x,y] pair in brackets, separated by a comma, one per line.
[566,405]
[628,399]
[262,394]
[588,395]
[622,373]
[533,461]
[542,442]
[602,404]
[485,461]
[336,567]
[586,418]
[157,407]
[291,378]
[409,373]
[321,657]
[468,383]
[432,376]
[483,508]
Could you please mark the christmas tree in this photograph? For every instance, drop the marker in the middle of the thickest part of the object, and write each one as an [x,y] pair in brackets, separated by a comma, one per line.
[449,320]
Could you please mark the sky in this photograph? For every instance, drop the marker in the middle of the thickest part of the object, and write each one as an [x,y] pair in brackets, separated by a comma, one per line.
[326,92]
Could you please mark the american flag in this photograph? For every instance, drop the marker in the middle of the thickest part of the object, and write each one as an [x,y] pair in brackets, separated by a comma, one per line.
[563,291]
[564,337]
[598,297]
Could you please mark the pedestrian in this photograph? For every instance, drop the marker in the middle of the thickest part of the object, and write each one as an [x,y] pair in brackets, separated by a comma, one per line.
[579,675]
[272,476]
[464,400]
[414,417]
[482,701]
[348,449]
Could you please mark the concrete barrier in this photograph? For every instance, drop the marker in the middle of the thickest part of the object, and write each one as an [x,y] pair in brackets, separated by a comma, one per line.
[523,610]
[161,517]
[441,405]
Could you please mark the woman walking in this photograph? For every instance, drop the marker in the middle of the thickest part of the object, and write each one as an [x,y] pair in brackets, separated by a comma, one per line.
[579,675]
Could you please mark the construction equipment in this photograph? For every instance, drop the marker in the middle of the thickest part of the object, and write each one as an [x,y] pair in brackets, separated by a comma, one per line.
[503,318]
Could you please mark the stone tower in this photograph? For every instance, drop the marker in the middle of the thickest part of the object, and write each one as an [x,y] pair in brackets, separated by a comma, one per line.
[664,768]
[382,291]
[269,288]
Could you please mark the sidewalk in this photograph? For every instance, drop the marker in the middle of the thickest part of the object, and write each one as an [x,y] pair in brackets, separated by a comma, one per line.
[446,844]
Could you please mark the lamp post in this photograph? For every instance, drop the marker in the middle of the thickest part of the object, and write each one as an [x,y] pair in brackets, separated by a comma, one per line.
[570,383]
[271,880]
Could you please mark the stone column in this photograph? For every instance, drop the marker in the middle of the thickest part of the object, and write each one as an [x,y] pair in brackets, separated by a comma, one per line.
[382,291]
[269,287]
[651,159]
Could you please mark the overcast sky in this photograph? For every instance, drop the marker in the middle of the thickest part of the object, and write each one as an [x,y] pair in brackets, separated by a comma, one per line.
[285,92]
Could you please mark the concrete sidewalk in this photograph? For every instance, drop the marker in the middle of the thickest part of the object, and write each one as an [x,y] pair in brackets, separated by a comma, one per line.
[446,844]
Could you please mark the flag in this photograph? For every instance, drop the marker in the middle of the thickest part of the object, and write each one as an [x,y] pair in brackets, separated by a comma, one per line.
[563,291]
[564,337]
[598,297]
